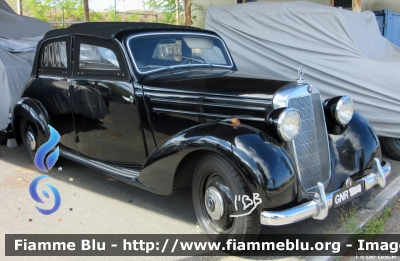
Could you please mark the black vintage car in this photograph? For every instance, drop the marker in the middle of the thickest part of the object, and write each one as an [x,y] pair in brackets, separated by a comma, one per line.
[163,107]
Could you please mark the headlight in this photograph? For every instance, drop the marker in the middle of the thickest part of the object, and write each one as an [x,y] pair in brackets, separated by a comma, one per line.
[341,109]
[344,110]
[284,122]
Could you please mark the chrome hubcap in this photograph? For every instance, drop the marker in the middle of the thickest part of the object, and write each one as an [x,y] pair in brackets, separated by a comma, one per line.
[30,140]
[214,203]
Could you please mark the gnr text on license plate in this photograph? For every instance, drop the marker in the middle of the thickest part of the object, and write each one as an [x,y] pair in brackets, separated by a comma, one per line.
[347,194]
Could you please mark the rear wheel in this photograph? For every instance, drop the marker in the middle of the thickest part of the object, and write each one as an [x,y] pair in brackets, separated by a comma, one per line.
[392,146]
[216,181]
[29,138]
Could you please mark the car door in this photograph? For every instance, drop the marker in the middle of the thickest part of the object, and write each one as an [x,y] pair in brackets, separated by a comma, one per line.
[105,111]
[52,88]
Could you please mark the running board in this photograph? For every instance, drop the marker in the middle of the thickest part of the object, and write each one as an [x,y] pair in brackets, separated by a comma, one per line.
[123,174]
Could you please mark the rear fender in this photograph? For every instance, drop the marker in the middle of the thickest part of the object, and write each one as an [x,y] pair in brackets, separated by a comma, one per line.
[34,113]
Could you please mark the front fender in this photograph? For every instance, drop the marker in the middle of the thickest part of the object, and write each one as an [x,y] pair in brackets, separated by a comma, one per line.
[34,113]
[265,166]
[352,149]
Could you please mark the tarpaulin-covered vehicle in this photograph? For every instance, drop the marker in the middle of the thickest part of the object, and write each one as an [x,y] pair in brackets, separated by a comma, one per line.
[19,36]
[162,107]
[343,51]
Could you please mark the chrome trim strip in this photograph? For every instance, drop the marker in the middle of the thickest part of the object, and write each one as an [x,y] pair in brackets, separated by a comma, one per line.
[222,105]
[209,115]
[318,207]
[177,66]
[162,92]
[101,166]
[242,99]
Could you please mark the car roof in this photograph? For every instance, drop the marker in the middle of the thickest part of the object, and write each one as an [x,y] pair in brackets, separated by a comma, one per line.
[117,29]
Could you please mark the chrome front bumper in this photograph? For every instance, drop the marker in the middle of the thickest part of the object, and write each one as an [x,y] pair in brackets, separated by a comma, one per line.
[319,206]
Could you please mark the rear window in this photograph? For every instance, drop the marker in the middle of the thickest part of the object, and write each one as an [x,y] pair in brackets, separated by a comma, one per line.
[54,55]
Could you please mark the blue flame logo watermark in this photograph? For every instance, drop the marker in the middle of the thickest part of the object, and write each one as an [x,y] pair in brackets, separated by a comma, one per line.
[35,196]
[45,148]
[40,164]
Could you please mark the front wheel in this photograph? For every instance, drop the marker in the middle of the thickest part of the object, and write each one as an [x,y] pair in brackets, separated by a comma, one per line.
[216,182]
[29,138]
[392,146]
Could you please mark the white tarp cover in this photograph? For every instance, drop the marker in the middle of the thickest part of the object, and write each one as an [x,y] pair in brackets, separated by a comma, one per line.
[343,52]
[24,44]
[14,73]
[16,26]
[19,36]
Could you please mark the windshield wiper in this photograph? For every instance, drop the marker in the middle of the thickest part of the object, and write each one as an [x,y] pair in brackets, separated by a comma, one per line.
[155,67]
[200,61]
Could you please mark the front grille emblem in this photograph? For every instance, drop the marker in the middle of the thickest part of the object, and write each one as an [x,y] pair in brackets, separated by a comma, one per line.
[309,89]
[349,182]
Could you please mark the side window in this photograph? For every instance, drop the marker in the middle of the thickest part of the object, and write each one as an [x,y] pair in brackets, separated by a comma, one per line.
[98,58]
[94,57]
[54,55]
[54,58]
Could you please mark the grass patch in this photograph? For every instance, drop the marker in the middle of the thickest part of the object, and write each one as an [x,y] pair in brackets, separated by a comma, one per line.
[375,225]
[369,232]
[349,221]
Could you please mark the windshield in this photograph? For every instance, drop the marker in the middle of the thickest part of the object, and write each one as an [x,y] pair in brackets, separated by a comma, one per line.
[158,51]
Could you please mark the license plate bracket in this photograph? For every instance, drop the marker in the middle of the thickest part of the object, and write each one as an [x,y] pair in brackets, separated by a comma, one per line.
[346,194]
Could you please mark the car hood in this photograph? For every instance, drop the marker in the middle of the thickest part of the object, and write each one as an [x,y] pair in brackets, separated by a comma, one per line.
[216,81]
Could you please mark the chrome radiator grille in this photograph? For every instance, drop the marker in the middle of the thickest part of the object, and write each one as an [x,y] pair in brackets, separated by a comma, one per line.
[311,144]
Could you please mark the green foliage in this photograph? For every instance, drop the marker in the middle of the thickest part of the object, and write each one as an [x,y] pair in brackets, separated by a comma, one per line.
[349,220]
[73,9]
[195,7]
[110,14]
[375,225]
[52,10]
[133,18]
[96,17]
[39,9]
[168,9]
[372,228]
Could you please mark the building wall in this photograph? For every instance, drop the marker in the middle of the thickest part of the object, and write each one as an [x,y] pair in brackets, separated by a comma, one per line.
[377,5]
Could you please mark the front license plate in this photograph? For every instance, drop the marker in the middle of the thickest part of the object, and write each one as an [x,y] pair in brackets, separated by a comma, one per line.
[347,194]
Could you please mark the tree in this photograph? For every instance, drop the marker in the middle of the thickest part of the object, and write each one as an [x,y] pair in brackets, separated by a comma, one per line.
[86,10]
[42,9]
[171,10]
[188,12]
[39,9]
